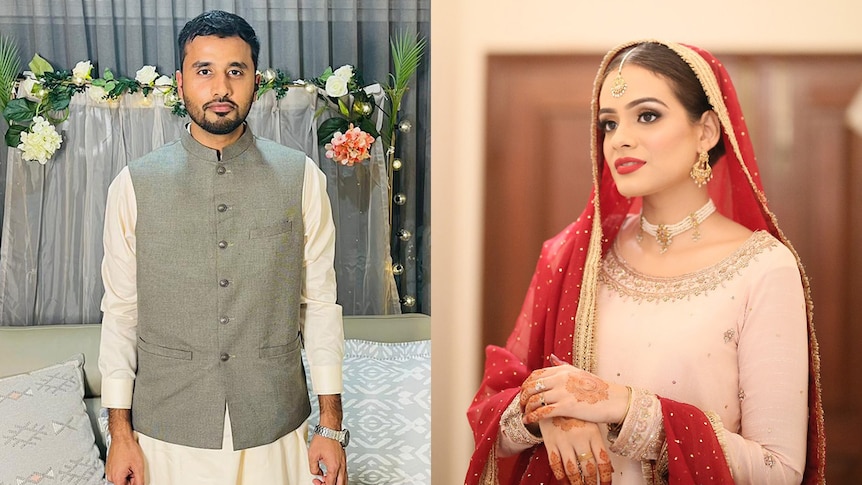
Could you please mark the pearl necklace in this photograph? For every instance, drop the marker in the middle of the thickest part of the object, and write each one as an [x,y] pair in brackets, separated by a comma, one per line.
[664,234]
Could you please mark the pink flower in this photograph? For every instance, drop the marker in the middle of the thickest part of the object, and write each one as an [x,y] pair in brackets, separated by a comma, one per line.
[351,147]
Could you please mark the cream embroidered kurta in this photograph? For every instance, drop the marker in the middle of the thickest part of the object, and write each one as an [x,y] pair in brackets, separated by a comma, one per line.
[321,328]
[730,339]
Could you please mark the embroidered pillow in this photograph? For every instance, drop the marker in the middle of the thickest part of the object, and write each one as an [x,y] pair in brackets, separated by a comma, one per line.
[387,408]
[45,433]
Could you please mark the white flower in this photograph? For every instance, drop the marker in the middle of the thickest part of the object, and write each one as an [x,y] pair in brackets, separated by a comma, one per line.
[30,88]
[40,142]
[146,75]
[171,99]
[336,86]
[164,84]
[97,93]
[81,72]
[344,72]
[268,75]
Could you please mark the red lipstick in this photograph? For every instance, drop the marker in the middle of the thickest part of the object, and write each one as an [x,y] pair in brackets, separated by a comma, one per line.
[627,165]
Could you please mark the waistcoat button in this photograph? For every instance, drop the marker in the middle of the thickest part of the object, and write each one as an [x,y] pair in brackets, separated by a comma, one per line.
[223,283]
[222,244]
[224,320]
[222,207]
[224,357]
[221,170]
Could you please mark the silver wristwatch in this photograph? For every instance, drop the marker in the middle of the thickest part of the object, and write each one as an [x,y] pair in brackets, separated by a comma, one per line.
[342,437]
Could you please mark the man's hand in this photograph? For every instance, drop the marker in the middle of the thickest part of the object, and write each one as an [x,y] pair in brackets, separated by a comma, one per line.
[326,451]
[125,464]
[332,456]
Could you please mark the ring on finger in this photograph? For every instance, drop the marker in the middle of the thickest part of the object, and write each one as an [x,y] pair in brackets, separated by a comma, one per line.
[585,456]
[542,399]
[540,386]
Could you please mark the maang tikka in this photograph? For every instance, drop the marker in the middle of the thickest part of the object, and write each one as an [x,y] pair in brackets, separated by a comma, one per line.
[619,86]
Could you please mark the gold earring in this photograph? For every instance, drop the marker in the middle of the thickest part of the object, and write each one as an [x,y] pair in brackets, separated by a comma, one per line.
[701,172]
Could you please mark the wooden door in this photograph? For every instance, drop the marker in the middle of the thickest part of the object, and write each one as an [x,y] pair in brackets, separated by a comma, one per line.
[537,173]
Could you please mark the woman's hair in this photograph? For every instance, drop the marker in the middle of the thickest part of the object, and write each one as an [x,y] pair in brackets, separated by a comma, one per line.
[661,60]
[220,24]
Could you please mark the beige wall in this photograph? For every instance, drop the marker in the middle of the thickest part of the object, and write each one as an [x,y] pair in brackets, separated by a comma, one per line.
[464,32]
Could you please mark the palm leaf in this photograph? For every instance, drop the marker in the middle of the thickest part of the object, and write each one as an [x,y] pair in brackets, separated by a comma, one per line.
[9,65]
[407,51]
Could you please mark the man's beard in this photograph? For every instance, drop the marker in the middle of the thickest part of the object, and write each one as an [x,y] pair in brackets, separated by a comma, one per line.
[222,125]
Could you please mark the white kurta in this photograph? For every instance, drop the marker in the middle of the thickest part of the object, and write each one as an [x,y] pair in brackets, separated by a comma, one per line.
[321,327]
[731,339]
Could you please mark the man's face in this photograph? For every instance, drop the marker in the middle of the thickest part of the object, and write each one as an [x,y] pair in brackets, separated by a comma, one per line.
[217,83]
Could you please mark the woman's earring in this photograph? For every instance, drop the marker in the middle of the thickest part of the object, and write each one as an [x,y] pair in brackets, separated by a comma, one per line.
[701,173]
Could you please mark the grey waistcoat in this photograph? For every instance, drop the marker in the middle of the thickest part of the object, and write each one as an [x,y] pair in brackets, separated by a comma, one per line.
[219,268]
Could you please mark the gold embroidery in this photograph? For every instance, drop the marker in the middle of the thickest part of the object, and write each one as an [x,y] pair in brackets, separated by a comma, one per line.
[718,428]
[619,277]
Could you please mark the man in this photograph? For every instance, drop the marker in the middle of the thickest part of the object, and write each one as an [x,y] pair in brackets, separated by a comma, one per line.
[218,266]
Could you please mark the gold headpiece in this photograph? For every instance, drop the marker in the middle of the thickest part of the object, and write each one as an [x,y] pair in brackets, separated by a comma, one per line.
[619,86]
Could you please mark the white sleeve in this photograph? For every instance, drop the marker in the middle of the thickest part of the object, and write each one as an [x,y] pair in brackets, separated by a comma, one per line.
[321,322]
[118,347]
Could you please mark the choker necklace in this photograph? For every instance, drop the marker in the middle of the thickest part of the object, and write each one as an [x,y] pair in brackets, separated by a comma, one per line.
[664,234]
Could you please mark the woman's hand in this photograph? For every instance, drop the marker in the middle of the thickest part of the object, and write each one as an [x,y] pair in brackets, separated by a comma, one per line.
[566,391]
[576,451]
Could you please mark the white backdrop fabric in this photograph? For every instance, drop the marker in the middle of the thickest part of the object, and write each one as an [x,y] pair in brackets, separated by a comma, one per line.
[51,249]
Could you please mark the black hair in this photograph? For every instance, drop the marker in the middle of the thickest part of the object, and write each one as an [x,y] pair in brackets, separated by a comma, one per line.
[221,24]
[663,61]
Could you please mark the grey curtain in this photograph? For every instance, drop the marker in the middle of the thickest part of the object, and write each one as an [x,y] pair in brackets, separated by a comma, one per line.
[61,206]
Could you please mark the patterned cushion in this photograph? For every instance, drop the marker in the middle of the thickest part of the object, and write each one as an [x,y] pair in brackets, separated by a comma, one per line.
[45,434]
[387,408]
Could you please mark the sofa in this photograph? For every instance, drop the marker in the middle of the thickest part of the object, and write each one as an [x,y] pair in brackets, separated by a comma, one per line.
[52,370]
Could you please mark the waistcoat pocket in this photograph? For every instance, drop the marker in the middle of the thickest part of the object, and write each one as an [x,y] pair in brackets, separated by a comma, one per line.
[164,351]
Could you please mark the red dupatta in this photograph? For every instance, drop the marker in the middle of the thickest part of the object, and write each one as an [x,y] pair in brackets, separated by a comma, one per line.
[559,311]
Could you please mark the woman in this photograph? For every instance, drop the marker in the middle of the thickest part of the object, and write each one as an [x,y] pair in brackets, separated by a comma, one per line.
[667,333]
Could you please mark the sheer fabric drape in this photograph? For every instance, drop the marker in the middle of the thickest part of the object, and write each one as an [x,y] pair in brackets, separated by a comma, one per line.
[51,248]
[298,36]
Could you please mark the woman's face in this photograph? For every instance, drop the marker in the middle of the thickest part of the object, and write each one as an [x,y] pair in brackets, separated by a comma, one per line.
[649,143]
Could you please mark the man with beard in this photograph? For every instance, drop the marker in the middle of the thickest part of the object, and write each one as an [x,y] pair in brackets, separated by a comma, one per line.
[218,267]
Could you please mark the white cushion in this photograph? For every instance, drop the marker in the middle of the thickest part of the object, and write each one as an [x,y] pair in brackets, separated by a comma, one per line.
[387,408]
[45,433]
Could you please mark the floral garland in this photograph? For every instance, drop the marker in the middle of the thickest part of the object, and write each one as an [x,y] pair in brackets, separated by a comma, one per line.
[43,94]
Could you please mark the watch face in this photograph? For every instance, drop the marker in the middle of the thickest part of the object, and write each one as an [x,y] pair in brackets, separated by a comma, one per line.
[346,439]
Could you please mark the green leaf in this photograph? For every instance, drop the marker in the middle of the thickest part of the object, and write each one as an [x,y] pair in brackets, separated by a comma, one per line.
[342,108]
[326,74]
[368,127]
[108,76]
[329,127]
[59,103]
[13,135]
[21,110]
[9,65]
[40,66]
[407,51]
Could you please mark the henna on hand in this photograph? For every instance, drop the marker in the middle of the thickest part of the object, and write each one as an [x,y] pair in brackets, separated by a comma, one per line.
[606,469]
[567,424]
[528,388]
[539,414]
[573,473]
[587,388]
[556,465]
[589,471]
